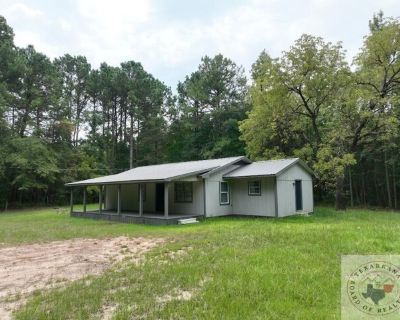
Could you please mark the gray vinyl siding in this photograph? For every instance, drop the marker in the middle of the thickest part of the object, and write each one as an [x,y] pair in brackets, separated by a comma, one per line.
[209,195]
[129,197]
[194,207]
[130,200]
[244,204]
[286,191]
[213,207]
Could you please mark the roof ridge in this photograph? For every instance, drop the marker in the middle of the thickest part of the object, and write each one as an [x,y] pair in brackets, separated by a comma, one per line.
[162,171]
[190,161]
[294,158]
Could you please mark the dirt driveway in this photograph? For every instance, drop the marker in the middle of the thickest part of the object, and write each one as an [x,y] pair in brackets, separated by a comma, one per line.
[26,268]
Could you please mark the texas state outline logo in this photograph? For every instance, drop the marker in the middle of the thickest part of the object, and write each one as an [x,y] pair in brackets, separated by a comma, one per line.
[370,287]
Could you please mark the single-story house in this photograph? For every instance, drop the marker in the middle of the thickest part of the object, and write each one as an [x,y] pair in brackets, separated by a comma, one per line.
[209,188]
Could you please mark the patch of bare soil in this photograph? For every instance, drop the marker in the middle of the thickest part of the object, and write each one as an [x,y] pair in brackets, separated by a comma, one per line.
[181,295]
[107,311]
[177,294]
[26,268]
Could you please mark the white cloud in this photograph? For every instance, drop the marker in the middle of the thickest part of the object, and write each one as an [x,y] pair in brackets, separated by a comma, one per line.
[64,25]
[113,20]
[171,47]
[118,11]
[18,9]
[30,37]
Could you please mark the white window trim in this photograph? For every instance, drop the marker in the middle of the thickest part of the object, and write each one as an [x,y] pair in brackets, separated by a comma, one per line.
[224,192]
[254,193]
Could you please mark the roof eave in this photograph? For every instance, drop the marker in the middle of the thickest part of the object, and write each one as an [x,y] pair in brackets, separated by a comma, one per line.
[77,184]
[302,163]
[251,176]
[243,158]
[172,178]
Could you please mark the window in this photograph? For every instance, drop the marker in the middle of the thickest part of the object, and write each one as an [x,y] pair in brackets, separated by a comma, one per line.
[183,192]
[223,193]
[254,188]
[144,192]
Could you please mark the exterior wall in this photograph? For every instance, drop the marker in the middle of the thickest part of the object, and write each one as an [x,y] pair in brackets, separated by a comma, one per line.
[240,202]
[243,204]
[194,207]
[286,191]
[130,197]
[213,207]
[110,197]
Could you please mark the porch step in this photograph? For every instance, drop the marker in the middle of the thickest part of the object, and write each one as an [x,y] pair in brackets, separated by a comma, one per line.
[187,221]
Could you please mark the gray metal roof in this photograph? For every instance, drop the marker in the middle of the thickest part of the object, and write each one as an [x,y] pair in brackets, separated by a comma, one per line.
[162,172]
[265,168]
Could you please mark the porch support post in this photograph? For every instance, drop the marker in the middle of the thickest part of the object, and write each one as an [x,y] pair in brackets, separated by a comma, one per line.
[100,198]
[84,199]
[140,199]
[119,199]
[72,201]
[166,198]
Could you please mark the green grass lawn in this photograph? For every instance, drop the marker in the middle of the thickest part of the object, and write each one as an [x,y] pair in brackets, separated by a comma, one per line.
[236,268]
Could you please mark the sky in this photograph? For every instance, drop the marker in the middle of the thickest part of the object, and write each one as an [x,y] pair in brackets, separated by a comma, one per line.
[169,37]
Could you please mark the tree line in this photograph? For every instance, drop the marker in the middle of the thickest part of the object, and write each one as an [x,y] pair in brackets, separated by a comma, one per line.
[63,120]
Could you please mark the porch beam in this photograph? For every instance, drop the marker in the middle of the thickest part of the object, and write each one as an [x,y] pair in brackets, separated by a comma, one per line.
[166,198]
[119,199]
[71,201]
[140,199]
[84,199]
[100,199]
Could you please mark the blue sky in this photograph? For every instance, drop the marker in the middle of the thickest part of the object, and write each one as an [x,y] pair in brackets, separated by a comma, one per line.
[170,36]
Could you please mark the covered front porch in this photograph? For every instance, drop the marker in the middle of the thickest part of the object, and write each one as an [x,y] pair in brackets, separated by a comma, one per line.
[145,202]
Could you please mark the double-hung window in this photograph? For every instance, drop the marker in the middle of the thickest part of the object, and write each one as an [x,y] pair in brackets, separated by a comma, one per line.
[254,188]
[183,192]
[223,192]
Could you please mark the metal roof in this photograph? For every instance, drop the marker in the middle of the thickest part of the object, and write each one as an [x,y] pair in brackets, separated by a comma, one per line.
[162,172]
[266,168]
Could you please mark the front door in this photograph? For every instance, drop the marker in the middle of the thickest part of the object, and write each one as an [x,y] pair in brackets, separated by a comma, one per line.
[160,197]
[299,195]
